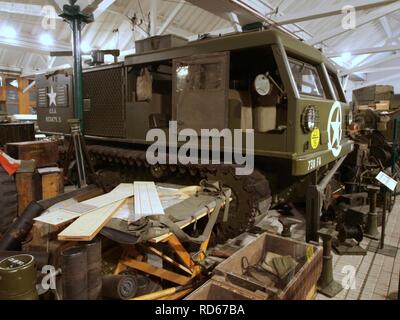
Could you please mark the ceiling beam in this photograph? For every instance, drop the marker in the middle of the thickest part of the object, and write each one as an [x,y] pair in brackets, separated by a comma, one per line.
[374,15]
[171,17]
[381,69]
[99,7]
[56,6]
[357,52]
[10,69]
[27,43]
[23,9]
[153,17]
[371,64]
[329,11]
[386,27]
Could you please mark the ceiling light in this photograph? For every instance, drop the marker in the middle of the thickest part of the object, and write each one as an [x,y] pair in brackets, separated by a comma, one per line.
[85,47]
[9,32]
[46,39]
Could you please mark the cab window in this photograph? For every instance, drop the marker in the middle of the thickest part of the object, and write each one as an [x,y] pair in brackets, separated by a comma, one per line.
[336,87]
[306,78]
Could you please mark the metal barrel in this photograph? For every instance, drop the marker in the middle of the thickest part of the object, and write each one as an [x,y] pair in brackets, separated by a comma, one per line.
[18,278]
[94,268]
[74,273]
[119,286]
[41,258]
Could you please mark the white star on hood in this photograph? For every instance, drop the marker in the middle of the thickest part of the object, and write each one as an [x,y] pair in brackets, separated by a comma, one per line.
[52,96]
[337,128]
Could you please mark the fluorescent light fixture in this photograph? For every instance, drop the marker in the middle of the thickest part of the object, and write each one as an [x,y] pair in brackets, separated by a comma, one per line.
[9,32]
[46,39]
[85,47]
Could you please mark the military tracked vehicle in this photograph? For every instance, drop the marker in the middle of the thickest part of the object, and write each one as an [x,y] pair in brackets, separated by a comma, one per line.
[266,81]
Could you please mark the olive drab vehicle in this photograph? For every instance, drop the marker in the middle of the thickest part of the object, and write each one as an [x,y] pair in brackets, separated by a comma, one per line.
[283,89]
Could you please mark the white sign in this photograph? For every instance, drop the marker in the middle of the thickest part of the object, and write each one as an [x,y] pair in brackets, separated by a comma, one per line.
[386,181]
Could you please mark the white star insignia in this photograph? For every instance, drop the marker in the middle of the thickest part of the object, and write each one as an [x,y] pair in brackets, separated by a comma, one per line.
[52,96]
[336,127]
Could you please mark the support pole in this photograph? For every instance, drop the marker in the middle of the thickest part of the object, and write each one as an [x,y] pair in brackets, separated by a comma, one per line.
[76,18]
[78,81]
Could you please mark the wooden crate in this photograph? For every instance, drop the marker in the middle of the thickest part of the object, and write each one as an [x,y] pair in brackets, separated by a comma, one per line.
[382,105]
[28,189]
[45,153]
[218,289]
[52,183]
[302,283]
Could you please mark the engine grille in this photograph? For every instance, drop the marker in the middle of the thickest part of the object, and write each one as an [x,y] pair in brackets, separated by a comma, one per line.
[106,115]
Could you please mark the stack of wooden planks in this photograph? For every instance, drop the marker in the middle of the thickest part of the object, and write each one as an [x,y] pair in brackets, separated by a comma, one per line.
[91,214]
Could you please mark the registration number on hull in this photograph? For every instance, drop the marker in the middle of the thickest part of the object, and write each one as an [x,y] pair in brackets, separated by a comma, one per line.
[314,163]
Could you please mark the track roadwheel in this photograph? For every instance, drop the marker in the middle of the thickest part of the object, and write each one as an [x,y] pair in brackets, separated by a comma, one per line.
[8,200]
[247,192]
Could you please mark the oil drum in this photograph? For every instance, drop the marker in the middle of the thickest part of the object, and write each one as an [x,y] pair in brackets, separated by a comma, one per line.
[94,268]
[18,278]
[74,273]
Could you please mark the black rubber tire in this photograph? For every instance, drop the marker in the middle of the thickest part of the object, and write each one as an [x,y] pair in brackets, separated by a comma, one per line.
[8,200]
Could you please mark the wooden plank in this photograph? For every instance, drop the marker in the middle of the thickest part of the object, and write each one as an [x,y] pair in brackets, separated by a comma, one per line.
[62,216]
[147,201]
[86,227]
[161,273]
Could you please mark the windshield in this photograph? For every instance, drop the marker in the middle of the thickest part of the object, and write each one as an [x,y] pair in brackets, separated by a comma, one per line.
[306,78]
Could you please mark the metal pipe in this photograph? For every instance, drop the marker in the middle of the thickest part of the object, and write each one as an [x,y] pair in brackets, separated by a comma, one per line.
[324,182]
[394,146]
[384,209]
[78,78]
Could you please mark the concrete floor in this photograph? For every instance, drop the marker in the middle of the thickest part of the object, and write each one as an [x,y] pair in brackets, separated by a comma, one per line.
[376,275]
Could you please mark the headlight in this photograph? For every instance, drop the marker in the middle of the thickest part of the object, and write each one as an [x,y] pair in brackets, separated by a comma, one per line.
[309,119]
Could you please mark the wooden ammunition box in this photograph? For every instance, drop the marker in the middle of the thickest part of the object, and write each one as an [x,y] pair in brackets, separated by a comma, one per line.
[45,153]
[52,182]
[16,132]
[300,287]
[28,188]
[371,94]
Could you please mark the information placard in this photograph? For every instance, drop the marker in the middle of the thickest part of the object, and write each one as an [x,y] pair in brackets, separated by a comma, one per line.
[386,180]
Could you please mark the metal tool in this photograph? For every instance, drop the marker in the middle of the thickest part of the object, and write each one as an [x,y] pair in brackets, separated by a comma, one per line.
[372,222]
[77,145]
[326,284]
[287,224]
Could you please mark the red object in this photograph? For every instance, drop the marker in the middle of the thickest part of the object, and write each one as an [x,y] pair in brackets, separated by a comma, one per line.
[9,164]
